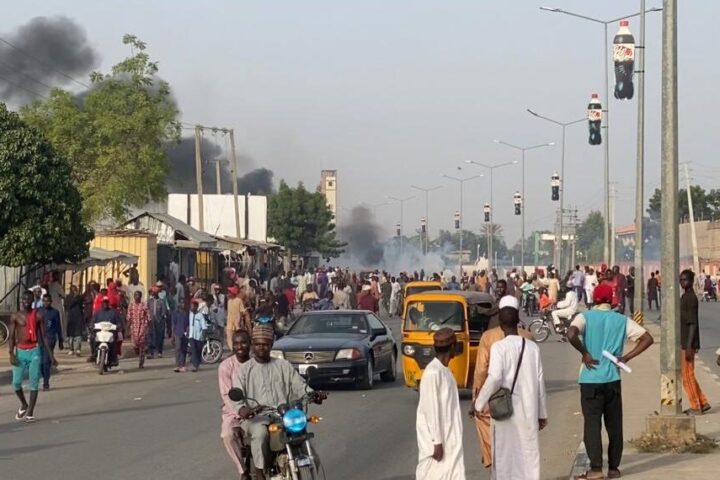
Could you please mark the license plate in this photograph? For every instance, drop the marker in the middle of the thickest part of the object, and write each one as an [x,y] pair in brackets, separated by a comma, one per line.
[304,368]
[303,462]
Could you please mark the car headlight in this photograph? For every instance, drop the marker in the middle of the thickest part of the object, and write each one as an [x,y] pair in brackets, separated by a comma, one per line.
[409,350]
[277,354]
[295,420]
[348,354]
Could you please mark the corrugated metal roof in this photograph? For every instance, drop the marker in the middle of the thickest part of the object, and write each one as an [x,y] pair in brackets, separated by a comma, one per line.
[179,228]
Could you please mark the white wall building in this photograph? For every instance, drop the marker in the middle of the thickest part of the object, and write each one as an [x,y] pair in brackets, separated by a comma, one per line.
[219,214]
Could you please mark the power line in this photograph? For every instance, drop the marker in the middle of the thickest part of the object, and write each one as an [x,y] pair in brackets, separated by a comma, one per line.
[43,62]
[24,88]
[27,76]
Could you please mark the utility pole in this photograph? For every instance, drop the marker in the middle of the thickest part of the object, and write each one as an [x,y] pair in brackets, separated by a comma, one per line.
[198,178]
[640,169]
[693,234]
[233,175]
[613,197]
[670,425]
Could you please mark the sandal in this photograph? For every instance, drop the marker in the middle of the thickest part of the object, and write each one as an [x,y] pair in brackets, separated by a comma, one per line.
[20,414]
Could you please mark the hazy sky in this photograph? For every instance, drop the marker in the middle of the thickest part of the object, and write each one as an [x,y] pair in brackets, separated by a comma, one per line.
[397,92]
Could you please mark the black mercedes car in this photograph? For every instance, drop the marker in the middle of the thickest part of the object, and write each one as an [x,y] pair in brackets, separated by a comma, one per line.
[340,346]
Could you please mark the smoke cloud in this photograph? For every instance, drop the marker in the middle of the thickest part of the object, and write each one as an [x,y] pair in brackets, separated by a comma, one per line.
[362,235]
[365,249]
[181,178]
[43,53]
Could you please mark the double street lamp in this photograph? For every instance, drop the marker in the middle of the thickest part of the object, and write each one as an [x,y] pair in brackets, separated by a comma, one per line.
[558,240]
[607,234]
[461,181]
[427,217]
[522,221]
[401,201]
[491,228]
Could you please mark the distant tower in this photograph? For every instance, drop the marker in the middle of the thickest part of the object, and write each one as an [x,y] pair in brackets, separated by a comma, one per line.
[328,187]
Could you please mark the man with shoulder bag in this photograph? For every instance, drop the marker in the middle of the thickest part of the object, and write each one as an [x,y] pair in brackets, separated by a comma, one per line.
[514,393]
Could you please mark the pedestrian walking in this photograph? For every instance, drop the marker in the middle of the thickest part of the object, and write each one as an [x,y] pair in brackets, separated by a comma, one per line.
[53,335]
[516,368]
[157,307]
[140,324]
[395,292]
[591,333]
[652,291]
[690,344]
[180,321]
[26,337]
[439,421]
[482,365]
[621,285]
[75,320]
[630,289]
[197,323]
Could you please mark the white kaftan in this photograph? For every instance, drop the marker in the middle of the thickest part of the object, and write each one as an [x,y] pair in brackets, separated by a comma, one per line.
[439,421]
[516,447]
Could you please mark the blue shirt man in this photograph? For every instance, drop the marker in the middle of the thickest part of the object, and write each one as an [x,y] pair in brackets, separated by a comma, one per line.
[53,336]
[603,329]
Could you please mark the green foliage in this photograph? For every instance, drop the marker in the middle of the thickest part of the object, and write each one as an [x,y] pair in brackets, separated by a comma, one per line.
[544,253]
[114,134]
[40,219]
[302,222]
[706,205]
[591,238]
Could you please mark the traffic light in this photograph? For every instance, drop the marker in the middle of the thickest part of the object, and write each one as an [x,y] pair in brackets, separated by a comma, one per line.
[457,220]
[397,229]
[423,225]
[517,200]
[555,186]
[487,212]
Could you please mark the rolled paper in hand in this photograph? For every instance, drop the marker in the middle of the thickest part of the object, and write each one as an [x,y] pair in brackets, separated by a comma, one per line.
[614,359]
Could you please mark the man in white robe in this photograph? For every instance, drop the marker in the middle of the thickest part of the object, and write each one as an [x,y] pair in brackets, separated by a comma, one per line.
[516,447]
[439,421]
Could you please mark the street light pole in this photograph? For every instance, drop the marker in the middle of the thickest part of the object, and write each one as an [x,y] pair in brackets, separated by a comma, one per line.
[558,241]
[608,250]
[522,216]
[402,212]
[640,169]
[491,231]
[427,215]
[461,181]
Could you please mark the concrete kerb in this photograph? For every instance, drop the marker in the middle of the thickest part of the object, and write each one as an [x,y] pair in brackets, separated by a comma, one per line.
[581,463]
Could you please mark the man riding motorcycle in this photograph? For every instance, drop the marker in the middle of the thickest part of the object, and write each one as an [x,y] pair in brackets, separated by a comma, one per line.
[230,421]
[565,309]
[265,381]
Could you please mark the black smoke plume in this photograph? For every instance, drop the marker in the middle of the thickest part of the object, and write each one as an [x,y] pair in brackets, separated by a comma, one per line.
[43,53]
[362,235]
[181,178]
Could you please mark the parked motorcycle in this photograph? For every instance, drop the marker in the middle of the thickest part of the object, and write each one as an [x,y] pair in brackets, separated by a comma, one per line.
[710,294]
[212,343]
[292,457]
[104,340]
[541,328]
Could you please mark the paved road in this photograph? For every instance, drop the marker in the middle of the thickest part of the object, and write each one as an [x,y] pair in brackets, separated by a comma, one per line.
[710,333]
[161,425]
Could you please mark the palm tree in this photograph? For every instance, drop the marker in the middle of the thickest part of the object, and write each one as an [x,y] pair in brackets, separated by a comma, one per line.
[492,228]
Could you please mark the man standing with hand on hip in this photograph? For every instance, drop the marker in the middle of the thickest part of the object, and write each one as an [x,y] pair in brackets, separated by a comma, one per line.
[439,421]
[603,329]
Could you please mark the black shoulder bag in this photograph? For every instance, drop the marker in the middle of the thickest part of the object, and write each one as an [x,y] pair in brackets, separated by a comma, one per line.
[500,403]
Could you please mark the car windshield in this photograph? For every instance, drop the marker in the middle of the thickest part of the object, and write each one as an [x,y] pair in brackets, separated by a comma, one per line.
[430,316]
[421,289]
[351,323]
